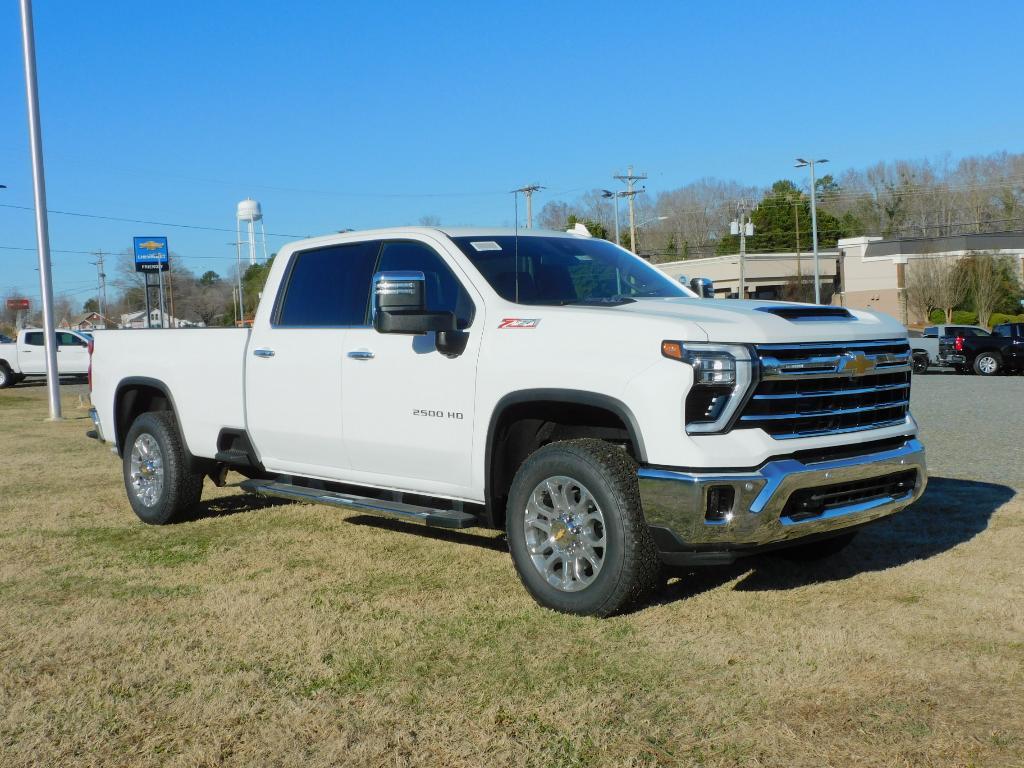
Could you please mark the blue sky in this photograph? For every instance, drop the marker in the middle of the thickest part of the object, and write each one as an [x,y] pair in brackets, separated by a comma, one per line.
[358,115]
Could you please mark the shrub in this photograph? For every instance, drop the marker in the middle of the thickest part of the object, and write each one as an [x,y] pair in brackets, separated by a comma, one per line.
[998,317]
[962,317]
[937,316]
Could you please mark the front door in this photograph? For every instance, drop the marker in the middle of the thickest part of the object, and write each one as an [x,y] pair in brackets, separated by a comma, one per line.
[408,409]
[295,358]
[72,353]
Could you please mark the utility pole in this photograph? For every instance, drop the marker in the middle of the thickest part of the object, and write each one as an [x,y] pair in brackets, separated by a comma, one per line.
[801,163]
[742,227]
[528,194]
[101,277]
[629,180]
[799,264]
[35,132]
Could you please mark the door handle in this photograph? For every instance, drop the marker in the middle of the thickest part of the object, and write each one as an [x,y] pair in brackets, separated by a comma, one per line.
[263,352]
[361,354]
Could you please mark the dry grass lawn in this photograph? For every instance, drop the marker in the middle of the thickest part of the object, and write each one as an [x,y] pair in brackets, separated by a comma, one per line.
[278,634]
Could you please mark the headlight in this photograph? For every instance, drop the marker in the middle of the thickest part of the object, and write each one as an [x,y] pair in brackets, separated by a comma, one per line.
[722,377]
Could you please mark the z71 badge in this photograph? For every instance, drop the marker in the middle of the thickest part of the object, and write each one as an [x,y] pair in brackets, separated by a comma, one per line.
[519,322]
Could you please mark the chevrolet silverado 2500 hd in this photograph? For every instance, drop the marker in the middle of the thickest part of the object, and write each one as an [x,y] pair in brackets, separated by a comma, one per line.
[552,385]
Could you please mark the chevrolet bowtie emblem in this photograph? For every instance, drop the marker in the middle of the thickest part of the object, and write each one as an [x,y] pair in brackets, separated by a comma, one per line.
[856,364]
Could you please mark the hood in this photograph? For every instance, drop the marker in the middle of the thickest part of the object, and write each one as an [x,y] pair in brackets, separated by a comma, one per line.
[732,320]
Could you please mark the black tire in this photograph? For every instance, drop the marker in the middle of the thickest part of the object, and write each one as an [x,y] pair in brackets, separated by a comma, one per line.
[181,486]
[630,564]
[7,377]
[920,364]
[818,549]
[988,364]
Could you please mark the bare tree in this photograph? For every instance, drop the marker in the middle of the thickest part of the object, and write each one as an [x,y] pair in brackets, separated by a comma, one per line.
[986,284]
[952,284]
[922,293]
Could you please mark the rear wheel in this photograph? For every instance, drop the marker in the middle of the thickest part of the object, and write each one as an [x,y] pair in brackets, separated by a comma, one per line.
[7,377]
[987,364]
[576,530]
[920,364]
[159,479]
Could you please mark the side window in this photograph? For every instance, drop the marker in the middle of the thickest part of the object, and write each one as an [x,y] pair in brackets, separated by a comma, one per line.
[34,339]
[444,292]
[931,332]
[1001,330]
[328,287]
[69,340]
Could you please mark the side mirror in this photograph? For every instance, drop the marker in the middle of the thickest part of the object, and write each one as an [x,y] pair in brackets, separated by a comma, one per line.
[399,305]
[703,287]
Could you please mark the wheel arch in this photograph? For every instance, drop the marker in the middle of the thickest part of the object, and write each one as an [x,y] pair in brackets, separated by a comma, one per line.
[134,396]
[525,419]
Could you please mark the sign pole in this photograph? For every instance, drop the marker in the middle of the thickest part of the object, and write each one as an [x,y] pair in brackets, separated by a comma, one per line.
[35,131]
[160,281]
[149,323]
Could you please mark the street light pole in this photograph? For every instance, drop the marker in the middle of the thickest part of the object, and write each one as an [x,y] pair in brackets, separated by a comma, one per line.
[801,163]
[35,131]
[615,205]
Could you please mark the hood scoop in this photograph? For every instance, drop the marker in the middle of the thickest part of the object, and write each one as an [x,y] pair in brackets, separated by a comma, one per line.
[809,313]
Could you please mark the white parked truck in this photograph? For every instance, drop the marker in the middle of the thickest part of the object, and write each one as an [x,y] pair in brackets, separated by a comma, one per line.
[551,385]
[25,357]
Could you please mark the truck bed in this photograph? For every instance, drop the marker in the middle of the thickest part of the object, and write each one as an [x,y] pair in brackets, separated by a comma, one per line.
[203,370]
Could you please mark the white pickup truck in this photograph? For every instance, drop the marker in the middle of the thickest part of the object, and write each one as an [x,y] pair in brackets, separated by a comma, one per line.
[26,356]
[551,385]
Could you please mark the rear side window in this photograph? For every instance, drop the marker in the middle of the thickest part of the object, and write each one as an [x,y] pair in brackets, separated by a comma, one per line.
[329,287]
[1001,330]
[34,339]
[444,292]
[931,332]
[69,340]
[972,332]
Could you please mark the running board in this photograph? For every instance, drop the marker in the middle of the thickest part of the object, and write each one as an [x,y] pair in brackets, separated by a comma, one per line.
[441,518]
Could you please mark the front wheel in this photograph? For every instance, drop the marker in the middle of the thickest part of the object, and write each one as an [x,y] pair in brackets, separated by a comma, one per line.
[987,364]
[576,530]
[920,364]
[7,377]
[161,484]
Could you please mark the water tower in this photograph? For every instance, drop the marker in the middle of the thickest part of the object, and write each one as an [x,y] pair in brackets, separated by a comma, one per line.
[250,214]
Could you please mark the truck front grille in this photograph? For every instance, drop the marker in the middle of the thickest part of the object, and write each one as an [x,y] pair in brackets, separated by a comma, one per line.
[825,388]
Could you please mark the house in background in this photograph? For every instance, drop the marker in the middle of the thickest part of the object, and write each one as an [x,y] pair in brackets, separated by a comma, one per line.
[138,320]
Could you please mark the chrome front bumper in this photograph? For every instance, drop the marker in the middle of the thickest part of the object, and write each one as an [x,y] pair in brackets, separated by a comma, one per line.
[675,502]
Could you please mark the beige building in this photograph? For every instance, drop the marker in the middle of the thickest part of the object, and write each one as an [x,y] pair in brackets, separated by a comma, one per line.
[863,272]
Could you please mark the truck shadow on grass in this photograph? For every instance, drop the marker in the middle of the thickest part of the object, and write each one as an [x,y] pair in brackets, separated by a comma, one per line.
[950,513]
[224,506]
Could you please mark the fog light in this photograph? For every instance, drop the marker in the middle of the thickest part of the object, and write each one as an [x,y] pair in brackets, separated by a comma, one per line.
[720,499]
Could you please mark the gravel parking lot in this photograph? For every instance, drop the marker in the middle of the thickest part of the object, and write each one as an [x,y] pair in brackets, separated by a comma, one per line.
[972,426]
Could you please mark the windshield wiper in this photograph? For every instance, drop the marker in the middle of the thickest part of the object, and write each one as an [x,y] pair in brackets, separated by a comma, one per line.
[605,301]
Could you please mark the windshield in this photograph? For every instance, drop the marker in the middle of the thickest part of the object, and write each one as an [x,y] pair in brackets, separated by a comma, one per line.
[564,270]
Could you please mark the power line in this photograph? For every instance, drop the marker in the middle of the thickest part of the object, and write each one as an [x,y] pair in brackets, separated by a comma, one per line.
[139,221]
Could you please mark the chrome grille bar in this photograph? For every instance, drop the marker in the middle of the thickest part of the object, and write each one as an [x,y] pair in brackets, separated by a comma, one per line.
[833,392]
[829,412]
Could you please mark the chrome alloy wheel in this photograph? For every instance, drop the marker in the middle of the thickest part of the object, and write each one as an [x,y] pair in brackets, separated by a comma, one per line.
[987,364]
[565,533]
[147,470]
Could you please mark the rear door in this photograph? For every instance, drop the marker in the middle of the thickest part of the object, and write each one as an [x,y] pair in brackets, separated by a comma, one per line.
[294,363]
[72,353]
[408,409]
[31,352]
